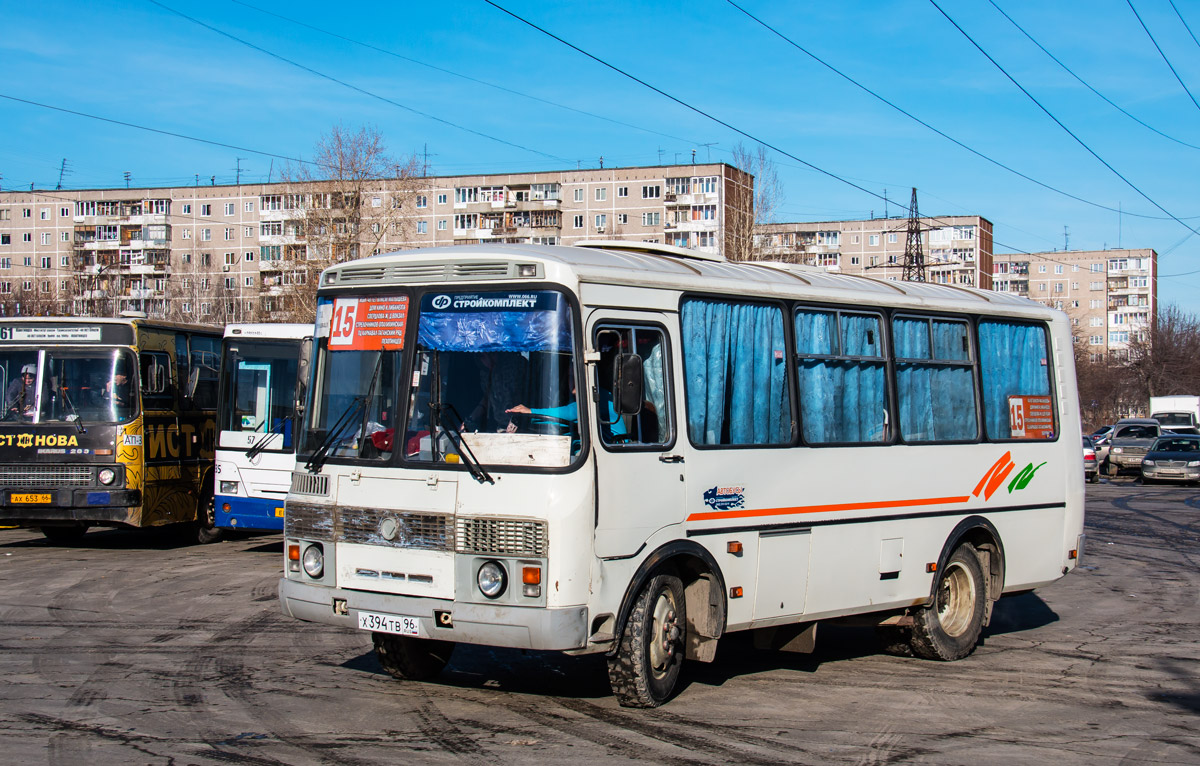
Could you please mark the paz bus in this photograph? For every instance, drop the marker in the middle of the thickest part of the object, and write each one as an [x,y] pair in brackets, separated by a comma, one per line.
[107,422]
[256,451]
[634,449]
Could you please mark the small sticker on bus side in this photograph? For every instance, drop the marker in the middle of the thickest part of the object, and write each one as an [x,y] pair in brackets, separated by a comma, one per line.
[131,440]
[724,498]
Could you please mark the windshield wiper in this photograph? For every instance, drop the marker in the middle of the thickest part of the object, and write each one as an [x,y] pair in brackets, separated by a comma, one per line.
[78,420]
[259,446]
[477,470]
[321,453]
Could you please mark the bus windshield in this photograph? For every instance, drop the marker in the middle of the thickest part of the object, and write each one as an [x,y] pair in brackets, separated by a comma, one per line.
[91,385]
[262,389]
[494,371]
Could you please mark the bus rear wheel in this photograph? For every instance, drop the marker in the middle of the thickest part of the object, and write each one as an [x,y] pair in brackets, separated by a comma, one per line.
[411,659]
[65,534]
[949,629]
[206,526]
[645,669]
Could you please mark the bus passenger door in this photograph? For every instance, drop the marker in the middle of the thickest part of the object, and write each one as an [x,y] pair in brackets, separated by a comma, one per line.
[640,479]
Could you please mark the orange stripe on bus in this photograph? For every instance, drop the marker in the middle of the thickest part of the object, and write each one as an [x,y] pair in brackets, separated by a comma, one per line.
[745,514]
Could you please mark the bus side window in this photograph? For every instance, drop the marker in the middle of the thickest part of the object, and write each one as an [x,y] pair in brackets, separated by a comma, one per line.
[651,424]
[205,362]
[157,391]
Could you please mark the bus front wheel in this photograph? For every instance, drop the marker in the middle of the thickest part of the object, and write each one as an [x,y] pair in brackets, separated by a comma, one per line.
[949,629]
[411,659]
[645,669]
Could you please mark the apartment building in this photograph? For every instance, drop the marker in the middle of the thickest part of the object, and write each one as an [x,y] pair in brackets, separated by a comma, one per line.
[1110,295]
[225,253]
[957,249]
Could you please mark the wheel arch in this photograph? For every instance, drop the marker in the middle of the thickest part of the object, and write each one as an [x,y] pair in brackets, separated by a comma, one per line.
[704,593]
[981,534]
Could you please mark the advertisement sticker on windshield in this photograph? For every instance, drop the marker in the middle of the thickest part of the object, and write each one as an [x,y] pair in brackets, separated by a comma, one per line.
[370,323]
[1031,417]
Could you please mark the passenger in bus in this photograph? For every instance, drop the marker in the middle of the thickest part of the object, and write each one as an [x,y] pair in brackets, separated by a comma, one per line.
[503,377]
[117,390]
[21,396]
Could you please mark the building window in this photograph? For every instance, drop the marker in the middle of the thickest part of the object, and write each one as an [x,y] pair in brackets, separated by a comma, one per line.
[578,222]
[186,208]
[422,200]
[1096,286]
[442,224]
[422,227]
[46,261]
[601,193]
[442,198]
[228,208]
[873,240]
[27,237]
[64,261]
[1041,268]
[64,212]
[45,237]
[26,212]
[249,281]
[601,220]
[622,191]
[206,210]
[228,234]
[248,232]
[651,219]
[622,218]
[891,239]
[651,192]
[206,235]
[854,240]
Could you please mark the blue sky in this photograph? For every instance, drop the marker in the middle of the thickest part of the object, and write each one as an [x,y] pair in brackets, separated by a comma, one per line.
[142,63]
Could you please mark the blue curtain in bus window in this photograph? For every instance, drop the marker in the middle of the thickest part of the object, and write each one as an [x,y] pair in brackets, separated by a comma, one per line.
[1013,360]
[736,376]
[936,396]
[841,400]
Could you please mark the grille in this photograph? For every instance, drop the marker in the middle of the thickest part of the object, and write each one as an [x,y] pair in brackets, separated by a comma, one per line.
[312,522]
[45,475]
[1171,463]
[501,537]
[425,272]
[305,483]
[427,531]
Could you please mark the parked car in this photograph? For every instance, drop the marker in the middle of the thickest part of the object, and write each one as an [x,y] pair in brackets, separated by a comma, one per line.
[1184,430]
[1101,443]
[1101,432]
[1091,469]
[1173,457]
[1130,441]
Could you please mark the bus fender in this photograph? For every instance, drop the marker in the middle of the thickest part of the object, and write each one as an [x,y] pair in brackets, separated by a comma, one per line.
[704,594]
[983,535]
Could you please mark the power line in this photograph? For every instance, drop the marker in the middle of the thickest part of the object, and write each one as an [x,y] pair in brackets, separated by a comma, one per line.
[1082,82]
[354,88]
[1185,24]
[1160,52]
[452,73]
[1059,122]
[918,120]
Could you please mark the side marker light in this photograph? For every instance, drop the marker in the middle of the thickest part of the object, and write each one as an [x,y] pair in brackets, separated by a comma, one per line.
[931,566]
[735,591]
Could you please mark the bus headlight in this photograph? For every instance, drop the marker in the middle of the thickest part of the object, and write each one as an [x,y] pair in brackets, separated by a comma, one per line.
[229,487]
[314,561]
[107,476]
[492,579]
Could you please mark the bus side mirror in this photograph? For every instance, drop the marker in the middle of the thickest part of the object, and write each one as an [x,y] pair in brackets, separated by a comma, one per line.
[627,384]
[302,363]
[156,378]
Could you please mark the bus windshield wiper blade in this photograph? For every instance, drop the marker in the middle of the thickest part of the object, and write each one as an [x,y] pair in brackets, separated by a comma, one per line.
[78,420]
[321,453]
[477,470]
[259,446]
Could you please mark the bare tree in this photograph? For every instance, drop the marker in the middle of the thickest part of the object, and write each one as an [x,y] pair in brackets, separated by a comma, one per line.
[1165,359]
[29,297]
[757,205]
[344,205]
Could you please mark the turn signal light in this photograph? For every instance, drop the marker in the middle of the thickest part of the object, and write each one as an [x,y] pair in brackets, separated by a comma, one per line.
[931,566]
[734,547]
[294,552]
[735,591]
[531,575]
[1073,554]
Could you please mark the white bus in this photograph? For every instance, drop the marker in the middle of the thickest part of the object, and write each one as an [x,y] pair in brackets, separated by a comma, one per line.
[755,447]
[256,451]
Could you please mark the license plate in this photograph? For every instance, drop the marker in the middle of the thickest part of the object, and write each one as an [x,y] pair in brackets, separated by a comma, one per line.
[1169,471]
[34,497]
[389,623]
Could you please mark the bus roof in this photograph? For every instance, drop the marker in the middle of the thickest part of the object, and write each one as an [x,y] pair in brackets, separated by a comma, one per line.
[149,323]
[269,330]
[658,266]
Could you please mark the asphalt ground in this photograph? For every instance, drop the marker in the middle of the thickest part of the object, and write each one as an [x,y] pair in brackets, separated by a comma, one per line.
[137,647]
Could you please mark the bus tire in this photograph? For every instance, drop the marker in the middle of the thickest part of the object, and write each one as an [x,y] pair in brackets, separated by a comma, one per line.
[66,534]
[411,659]
[895,640]
[949,629]
[206,526]
[645,669]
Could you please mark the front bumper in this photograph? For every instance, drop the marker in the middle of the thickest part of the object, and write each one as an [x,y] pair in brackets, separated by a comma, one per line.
[116,506]
[485,624]
[1161,474]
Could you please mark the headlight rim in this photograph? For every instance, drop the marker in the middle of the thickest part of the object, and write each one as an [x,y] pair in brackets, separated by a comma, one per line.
[501,579]
[319,566]
[106,473]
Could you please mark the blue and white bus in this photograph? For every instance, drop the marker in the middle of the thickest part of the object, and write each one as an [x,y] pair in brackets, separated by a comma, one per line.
[261,364]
